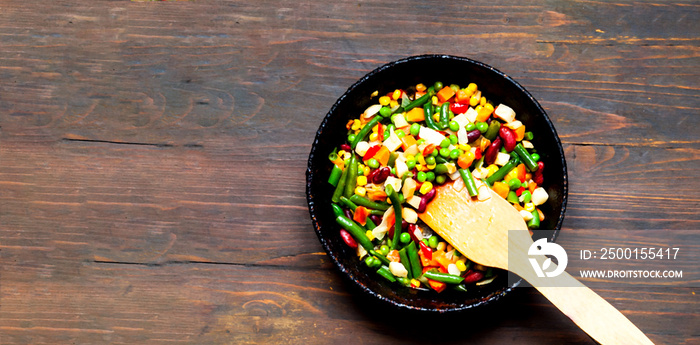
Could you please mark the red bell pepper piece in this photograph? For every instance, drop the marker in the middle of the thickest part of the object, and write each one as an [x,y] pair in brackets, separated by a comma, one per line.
[427,251]
[459,108]
[371,152]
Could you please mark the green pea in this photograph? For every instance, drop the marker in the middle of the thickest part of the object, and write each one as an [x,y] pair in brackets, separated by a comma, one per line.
[385,111]
[384,249]
[440,169]
[421,176]
[386,134]
[445,142]
[411,163]
[454,154]
[453,139]
[512,198]
[524,185]
[437,86]
[400,133]
[440,179]
[360,171]
[435,153]
[430,176]
[535,157]
[470,127]
[482,126]
[415,129]
[390,127]
[371,261]
[526,196]
[373,163]
[433,241]
[420,141]
[454,126]
[425,241]
[405,237]
[444,152]
[430,160]
[454,87]
[513,183]
[351,137]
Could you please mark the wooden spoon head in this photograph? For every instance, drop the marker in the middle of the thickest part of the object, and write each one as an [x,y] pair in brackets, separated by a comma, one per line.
[478,229]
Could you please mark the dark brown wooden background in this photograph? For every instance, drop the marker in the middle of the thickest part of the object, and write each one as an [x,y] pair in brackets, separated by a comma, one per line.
[152,159]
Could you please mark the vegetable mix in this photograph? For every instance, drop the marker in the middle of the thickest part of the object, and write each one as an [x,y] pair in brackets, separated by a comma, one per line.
[399,148]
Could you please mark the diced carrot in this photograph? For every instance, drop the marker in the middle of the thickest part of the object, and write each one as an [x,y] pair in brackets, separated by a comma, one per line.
[445,94]
[465,161]
[360,215]
[501,189]
[382,156]
[407,141]
[531,187]
[519,133]
[521,172]
[415,115]
[393,256]
[461,96]
[428,150]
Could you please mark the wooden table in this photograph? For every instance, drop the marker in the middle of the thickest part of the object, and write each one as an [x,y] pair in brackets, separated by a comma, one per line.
[152,159]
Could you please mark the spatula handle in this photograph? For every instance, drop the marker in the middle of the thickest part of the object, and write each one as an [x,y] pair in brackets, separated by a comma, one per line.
[588,310]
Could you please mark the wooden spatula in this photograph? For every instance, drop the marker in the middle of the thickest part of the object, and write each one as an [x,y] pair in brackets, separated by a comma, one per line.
[480,230]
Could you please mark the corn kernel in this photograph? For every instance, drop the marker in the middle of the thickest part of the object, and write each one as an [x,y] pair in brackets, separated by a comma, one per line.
[374,136]
[356,125]
[415,283]
[375,93]
[426,187]
[384,100]
[529,207]
[393,104]
[431,166]
[474,100]
[370,235]
[361,180]
[464,147]
[396,94]
[461,266]
[492,169]
[421,87]
[512,174]
[482,101]
[441,246]
[375,129]
[434,100]
[365,170]
[489,107]
[471,87]
[361,191]
[341,153]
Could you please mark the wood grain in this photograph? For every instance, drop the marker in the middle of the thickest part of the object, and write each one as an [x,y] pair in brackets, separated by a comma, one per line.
[152,159]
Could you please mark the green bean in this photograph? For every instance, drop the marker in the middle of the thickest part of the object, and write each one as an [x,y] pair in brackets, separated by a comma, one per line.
[351,181]
[460,288]
[379,256]
[365,130]
[413,258]
[405,262]
[398,214]
[492,131]
[340,188]
[429,121]
[468,181]
[384,272]
[335,175]
[362,201]
[443,277]
[444,115]
[534,223]
[356,231]
[337,211]
[417,102]
[504,170]
[525,157]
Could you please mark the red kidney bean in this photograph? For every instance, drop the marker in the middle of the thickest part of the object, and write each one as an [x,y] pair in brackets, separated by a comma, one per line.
[537,176]
[404,225]
[347,238]
[347,212]
[473,277]
[373,172]
[430,195]
[411,231]
[473,135]
[492,151]
[381,175]
[375,218]
[488,121]
[422,205]
[345,147]
[508,137]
